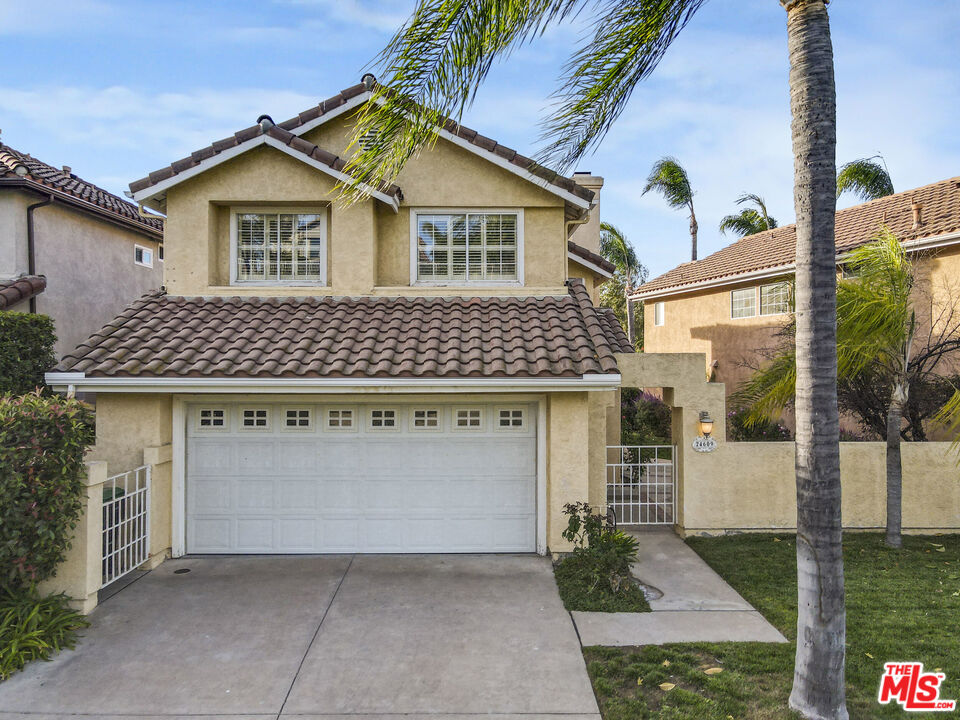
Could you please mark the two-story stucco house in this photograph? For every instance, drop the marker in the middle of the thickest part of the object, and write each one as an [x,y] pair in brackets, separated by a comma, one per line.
[412,373]
[69,249]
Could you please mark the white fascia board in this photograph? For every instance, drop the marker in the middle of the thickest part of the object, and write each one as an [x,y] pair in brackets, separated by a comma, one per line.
[587,264]
[251,385]
[716,282]
[336,112]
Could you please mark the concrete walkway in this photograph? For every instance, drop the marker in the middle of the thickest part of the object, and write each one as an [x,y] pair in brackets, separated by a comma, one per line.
[694,604]
[337,637]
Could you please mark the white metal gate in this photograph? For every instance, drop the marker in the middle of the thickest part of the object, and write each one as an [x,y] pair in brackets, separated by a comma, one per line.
[126,523]
[642,484]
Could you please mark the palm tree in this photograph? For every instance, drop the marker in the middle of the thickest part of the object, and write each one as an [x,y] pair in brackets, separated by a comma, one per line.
[629,273]
[433,68]
[668,178]
[751,220]
[866,179]
[876,330]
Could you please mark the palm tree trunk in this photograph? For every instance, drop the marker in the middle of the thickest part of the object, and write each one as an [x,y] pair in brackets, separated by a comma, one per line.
[818,683]
[693,233]
[898,400]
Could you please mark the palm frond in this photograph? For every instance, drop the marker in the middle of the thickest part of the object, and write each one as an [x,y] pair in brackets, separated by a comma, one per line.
[769,390]
[615,247]
[668,178]
[949,416]
[866,179]
[748,221]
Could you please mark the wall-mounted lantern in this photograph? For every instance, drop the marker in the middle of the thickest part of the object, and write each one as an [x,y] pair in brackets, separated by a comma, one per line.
[704,443]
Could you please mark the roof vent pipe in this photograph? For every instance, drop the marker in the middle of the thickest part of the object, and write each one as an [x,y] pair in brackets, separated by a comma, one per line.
[265,122]
[369,80]
[67,169]
[917,214]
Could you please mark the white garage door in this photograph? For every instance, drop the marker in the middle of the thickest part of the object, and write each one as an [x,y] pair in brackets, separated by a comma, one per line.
[314,478]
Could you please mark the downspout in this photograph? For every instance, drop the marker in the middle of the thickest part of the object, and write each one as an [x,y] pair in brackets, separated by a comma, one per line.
[31,247]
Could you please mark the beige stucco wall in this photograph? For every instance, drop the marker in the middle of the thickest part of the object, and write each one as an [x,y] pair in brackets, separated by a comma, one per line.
[13,232]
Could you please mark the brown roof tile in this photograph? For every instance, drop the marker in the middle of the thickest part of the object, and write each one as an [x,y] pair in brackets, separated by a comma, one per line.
[164,336]
[619,340]
[48,178]
[591,256]
[20,289]
[855,226]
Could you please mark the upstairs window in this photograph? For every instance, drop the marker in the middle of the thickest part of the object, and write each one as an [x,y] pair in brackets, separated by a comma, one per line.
[143,256]
[743,303]
[658,314]
[455,248]
[775,299]
[280,248]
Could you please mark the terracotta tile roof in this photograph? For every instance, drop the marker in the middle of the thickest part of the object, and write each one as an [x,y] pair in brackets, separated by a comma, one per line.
[170,336]
[20,289]
[332,103]
[590,256]
[619,340]
[48,178]
[855,226]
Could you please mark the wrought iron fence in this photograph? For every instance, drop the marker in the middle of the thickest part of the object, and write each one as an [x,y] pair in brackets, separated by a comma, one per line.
[126,523]
[642,484]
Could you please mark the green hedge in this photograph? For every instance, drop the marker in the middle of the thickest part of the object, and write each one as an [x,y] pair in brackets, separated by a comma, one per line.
[42,443]
[26,351]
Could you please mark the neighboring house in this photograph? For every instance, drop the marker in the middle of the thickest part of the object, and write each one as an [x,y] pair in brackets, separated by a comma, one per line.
[411,373]
[730,304]
[69,249]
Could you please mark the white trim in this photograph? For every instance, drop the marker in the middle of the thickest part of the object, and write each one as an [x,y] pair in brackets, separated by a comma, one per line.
[236,210]
[416,282]
[254,385]
[542,476]
[330,115]
[178,531]
[589,265]
[143,252]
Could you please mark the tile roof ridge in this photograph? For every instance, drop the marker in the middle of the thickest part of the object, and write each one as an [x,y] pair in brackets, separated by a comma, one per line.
[594,325]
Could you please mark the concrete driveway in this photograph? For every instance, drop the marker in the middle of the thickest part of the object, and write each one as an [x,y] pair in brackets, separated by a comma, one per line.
[321,636]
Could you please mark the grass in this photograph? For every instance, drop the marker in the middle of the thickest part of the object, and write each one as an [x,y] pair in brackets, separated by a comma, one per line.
[580,590]
[901,605]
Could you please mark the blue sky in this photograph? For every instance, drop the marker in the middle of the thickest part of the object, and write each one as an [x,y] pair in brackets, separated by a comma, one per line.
[116,89]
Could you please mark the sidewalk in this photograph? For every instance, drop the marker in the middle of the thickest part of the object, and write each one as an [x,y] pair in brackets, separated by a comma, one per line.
[694,604]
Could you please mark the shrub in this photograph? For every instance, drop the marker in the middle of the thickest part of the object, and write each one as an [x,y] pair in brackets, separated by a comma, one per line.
[739,430]
[644,418]
[34,627]
[42,443]
[26,351]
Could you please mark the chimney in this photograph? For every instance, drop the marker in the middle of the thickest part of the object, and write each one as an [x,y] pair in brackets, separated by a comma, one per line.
[917,214]
[67,169]
[588,234]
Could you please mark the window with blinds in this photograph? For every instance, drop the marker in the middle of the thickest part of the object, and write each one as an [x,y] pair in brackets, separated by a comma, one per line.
[281,247]
[467,247]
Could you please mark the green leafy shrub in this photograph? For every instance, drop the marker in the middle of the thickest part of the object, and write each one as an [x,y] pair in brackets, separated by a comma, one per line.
[739,430]
[34,627]
[26,351]
[42,443]
[644,418]
[597,575]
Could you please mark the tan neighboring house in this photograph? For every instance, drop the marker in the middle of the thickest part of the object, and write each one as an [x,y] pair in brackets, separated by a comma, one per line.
[424,371]
[69,249]
[730,304]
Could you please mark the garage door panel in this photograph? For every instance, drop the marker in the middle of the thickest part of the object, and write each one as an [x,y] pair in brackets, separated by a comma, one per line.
[363,489]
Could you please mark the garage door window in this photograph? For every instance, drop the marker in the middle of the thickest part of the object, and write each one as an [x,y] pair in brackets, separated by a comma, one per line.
[212,419]
[469,419]
[510,419]
[253,418]
[383,419]
[426,419]
[298,419]
[340,420]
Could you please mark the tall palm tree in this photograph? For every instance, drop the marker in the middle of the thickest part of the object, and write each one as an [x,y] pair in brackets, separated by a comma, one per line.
[750,220]
[433,68]
[866,179]
[630,273]
[668,178]
[876,329]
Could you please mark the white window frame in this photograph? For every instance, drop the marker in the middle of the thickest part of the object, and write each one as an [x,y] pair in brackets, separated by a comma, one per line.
[144,252]
[355,419]
[213,428]
[311,419]
[659,313]
[522,427]
[415,280]
[254,428]
[413,419]
[756,303]
[457,410]
[760,311]
[379,428]
[235,211]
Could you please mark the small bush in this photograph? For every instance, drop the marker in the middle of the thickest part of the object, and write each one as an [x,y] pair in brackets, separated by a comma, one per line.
[739,430]
[26,351]
[42,443]
[34,628]
[644,418]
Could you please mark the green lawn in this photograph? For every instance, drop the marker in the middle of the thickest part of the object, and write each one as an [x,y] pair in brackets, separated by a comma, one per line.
[901,605]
